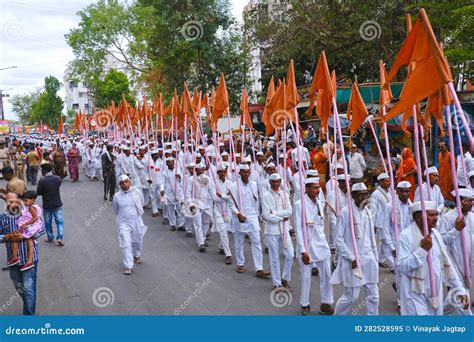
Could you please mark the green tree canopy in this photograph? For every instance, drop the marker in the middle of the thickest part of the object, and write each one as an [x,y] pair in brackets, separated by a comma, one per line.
[111,88]
[22,105]
[48,106]
[164,44]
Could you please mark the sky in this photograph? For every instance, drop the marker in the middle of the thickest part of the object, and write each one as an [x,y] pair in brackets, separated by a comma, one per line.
[32,38]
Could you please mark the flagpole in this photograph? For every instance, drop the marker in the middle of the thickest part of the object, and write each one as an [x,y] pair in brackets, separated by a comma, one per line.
[423,210]
[300,170]
[461,152]
[232,148]
[461,114]
[425,158]
[392,180]
[349,199]
[378,145]
[466,261]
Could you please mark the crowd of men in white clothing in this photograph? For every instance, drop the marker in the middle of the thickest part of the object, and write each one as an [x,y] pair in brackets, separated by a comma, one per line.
[342,234]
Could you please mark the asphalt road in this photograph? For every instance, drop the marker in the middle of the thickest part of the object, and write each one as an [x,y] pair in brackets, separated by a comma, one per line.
[85,276]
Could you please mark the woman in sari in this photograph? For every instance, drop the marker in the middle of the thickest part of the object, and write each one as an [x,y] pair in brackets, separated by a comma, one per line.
[407,169]
[73,158]
[319,162]
[59,162]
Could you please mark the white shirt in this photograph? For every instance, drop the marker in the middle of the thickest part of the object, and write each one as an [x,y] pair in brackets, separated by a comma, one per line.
[436,195]
[357,165]
[276,207]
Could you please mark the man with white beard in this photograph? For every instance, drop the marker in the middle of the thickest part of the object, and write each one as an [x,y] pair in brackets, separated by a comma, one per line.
[245,206]
[128,207]
[412,264]
[221,210]
[451,229]
[172,190]
[198,191]
[314,252]
[276,211]
[381,198]
[434,192]
[364,272]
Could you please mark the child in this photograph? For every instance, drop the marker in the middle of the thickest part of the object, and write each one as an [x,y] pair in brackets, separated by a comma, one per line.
[29,224]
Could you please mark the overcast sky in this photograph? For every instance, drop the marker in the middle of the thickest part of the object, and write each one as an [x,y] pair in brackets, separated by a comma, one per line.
[32,38]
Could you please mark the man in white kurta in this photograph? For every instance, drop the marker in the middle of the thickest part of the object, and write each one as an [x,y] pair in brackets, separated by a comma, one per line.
[91,161]
[198,191]
[433,192]
[313,249]
[364,272]
[336,200]
[276,211]
[142,179]
[380,199]
[156,166]
[128,208]
[172,190]
[245,207]
[412,255]
[454,230]
[221,211]
[126,162]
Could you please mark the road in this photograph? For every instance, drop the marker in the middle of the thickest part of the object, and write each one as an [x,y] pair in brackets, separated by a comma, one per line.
[85,276]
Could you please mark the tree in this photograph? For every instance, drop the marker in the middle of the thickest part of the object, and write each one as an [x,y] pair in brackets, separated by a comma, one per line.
[355,35]
[22,105]
[111,29]
[48,106]
[164,43]
[111,88]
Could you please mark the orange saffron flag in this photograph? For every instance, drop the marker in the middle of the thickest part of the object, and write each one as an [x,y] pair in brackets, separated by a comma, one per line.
[356,110]
[430,72]
[245,118]
[60,126]
[323,86]
[221,105]
[267,110]
[292,97]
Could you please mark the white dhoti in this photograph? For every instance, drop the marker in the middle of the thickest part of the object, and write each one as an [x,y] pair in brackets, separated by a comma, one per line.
[257,256]
[275,244]
[325,286]
[155,199]
[200,223]
[220,227]
[348,300]
[130,235]
[174,214]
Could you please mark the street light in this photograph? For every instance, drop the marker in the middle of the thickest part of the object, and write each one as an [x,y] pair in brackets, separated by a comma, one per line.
[2,114]
[10,67]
